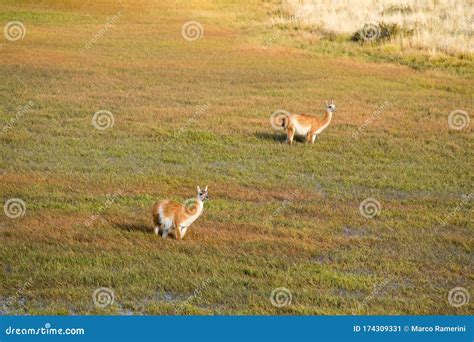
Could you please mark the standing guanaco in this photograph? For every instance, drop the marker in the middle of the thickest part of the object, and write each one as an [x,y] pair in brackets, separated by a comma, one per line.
[303,124]
[168,215]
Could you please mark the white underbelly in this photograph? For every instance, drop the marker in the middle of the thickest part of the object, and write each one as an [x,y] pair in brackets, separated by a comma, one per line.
[300,129]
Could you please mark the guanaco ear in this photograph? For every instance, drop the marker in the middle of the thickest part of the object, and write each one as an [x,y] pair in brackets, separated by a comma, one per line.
[198,189]
[205,189]
[327,104]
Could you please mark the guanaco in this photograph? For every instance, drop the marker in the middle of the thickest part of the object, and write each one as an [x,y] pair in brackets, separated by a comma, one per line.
[170,215]
[303,124]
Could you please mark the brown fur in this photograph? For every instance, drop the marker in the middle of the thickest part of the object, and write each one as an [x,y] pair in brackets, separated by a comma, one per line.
[313,122]
[302,124]
[170,215]
[181,213]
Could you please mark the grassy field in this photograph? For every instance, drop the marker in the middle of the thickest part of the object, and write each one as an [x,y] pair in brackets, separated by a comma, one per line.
[196,112]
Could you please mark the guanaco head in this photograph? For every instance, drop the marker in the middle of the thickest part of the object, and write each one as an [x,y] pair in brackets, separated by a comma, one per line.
[202,194]
[330,106]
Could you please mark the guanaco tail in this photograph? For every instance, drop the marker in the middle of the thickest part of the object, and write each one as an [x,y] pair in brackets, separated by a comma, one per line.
[302,124]
[170,215]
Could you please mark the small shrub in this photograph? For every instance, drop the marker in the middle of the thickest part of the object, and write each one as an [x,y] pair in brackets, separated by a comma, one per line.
[381,32]
[388,31]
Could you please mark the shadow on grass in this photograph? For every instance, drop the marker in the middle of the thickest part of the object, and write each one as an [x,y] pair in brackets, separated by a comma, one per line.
[140,227]
[134,227]
[277,137]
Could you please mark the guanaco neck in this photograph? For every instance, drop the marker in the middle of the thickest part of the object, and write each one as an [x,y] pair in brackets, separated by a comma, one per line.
[196,207]
[327,117]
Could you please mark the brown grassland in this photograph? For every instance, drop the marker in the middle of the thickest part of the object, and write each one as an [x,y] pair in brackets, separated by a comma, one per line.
[190,113]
